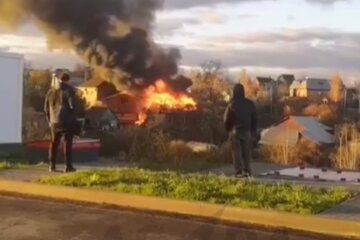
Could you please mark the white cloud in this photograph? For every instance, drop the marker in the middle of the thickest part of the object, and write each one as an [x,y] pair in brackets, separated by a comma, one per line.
[22,44]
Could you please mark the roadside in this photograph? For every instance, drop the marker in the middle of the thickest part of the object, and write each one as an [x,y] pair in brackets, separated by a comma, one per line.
[348,210]
[43,220]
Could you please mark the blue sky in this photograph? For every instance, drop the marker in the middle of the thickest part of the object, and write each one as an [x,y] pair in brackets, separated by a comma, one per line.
[307,37]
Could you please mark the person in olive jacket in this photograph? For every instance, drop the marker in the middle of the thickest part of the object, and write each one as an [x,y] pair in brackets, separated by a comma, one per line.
[61,113]
[240,120]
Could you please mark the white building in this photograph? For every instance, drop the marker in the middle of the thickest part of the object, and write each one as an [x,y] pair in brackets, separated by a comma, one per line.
[310,87]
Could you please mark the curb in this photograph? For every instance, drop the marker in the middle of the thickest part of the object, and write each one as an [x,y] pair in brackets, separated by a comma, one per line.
[269,219]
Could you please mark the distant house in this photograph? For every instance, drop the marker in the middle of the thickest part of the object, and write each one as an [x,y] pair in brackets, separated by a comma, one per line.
[124,106]
[293,129]
[96,89]
[352,98]
[310,87]
[266,86]
[284,82]
[101,118]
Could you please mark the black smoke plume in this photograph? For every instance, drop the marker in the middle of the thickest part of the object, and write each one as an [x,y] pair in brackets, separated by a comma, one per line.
[110,34]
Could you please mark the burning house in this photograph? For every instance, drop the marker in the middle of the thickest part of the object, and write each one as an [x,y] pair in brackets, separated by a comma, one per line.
[110,36]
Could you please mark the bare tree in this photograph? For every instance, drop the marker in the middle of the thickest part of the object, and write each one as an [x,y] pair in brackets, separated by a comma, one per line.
[211,67]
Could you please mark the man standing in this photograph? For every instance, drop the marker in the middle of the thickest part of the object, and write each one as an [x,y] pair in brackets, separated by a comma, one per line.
[241,122]
[59,107]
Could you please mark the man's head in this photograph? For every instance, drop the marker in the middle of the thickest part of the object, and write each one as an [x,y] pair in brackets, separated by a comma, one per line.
[238,91]
[64,77]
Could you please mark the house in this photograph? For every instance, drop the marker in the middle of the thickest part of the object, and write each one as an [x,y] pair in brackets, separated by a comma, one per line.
[310,87]
[351,98]
[96,89]
[292,129]
[284,82]
[286,79]
[124,106]
[266,87]
[101,118]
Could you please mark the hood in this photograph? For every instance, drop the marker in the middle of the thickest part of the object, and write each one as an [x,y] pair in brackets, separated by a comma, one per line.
[238,91]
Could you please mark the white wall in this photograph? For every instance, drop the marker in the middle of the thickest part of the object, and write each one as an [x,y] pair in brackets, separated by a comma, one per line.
[11,98]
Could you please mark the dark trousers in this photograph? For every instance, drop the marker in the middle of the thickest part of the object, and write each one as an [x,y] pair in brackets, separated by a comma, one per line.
[241,150]
[56,136]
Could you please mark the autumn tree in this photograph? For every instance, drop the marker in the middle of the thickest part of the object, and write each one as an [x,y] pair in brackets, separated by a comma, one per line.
[249,86]
[37,84]
[211,90]
[337,89]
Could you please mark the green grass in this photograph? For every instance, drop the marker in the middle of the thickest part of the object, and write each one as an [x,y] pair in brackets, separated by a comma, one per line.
[8,166]
[212,189]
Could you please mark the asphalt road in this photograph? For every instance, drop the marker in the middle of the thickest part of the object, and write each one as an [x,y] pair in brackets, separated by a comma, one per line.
[28,219]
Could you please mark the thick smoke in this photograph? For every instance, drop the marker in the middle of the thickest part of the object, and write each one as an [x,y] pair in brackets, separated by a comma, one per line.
[112,34]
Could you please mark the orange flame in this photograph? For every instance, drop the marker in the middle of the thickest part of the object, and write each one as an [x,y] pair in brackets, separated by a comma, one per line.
[160,97]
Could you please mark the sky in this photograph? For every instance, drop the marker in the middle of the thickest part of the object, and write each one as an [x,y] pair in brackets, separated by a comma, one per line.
[267,37]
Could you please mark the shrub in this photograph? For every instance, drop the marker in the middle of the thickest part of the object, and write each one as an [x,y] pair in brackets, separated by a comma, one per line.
[35,126]
[347,155]
[179,152]
[305,152]
[326,113]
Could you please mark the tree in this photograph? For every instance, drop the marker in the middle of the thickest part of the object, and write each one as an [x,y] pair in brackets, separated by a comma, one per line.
[211,67]
[37,84]
[249,86]
[337,89]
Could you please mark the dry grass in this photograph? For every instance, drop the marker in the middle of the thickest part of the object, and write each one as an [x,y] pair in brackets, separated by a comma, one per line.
[347,155]
[305,152]
[326,113]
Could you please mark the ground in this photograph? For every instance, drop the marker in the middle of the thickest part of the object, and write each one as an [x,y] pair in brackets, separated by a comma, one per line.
[26,219]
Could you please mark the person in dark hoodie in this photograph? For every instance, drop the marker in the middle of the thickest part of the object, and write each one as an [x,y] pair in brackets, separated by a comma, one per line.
[60,110]
[240,120]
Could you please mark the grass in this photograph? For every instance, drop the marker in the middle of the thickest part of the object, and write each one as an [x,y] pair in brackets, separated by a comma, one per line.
[196,166]
[9,166]
[212,189]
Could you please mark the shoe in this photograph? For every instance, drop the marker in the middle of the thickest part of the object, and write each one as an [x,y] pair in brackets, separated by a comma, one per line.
[70,169]
[52,169]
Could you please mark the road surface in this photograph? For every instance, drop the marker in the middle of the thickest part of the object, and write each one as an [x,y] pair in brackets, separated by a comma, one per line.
[29,219]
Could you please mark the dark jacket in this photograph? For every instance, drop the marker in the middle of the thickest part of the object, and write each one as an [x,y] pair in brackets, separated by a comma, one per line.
[60,107]
[241,112]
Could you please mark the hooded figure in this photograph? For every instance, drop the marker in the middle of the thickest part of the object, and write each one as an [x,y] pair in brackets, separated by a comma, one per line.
[240,121]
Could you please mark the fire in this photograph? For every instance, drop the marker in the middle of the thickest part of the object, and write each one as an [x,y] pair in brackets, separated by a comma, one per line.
[159,97]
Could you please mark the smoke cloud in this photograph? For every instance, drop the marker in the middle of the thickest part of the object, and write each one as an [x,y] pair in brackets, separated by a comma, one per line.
[110,34]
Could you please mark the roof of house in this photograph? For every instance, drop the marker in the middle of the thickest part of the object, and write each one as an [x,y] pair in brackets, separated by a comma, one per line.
[96,112]
[94,82]
[316,84]
[264,79]
[291,129]
[287,78]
